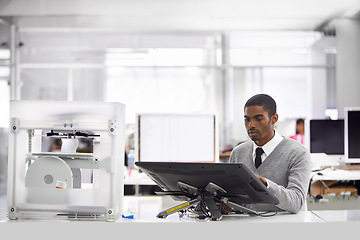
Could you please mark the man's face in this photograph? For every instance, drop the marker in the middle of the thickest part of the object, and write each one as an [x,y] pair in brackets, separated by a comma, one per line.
[259,126]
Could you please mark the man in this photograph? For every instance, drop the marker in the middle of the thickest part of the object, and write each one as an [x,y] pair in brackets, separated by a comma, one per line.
[281,164]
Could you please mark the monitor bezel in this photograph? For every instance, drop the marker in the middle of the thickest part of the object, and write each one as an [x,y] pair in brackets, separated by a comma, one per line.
[325,120]
[346,135]
[242,179]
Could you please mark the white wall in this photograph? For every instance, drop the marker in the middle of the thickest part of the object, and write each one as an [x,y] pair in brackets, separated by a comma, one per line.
[348,64]
[317,85]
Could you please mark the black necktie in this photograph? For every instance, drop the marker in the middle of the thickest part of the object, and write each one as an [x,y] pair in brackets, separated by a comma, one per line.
[259,151]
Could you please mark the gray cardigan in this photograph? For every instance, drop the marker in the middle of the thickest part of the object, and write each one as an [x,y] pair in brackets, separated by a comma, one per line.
[287,169]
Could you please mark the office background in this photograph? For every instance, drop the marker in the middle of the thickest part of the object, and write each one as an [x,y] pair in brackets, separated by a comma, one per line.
[188,57]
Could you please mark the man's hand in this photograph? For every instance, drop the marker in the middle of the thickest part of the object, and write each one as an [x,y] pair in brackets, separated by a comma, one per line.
[261,179]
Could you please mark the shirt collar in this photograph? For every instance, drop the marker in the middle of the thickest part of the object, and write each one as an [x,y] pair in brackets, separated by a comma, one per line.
[270,145]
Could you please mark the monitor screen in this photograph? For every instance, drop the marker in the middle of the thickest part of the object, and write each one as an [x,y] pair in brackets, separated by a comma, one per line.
[241,185]
[176,138]
[327,136]
[352,135]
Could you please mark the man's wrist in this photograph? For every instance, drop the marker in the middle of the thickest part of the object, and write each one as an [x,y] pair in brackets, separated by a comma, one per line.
[267,183]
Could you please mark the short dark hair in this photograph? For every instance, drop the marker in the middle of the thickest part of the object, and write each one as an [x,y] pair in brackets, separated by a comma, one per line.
[264,100]
[300,120]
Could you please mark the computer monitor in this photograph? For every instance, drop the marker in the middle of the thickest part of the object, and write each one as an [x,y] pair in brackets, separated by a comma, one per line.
[352,135]
[164,137]
[327,136]
[208,183]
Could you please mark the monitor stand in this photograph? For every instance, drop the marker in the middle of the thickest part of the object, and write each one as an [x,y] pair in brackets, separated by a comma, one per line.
[210,197]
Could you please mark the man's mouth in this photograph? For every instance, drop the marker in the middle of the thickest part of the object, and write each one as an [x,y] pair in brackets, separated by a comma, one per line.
[252,132]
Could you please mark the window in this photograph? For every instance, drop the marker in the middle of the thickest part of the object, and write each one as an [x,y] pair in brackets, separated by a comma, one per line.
[292,67]
[175,82]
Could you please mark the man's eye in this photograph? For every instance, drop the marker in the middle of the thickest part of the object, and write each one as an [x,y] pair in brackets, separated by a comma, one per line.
[246,120]
[259,119]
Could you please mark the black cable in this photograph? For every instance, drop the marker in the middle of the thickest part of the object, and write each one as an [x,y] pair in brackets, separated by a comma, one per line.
[267,214]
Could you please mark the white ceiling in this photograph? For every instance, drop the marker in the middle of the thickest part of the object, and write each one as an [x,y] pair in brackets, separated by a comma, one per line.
[189,14]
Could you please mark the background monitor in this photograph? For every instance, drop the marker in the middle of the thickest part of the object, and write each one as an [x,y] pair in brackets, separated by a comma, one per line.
[352,135]
[327,136]
[176,138]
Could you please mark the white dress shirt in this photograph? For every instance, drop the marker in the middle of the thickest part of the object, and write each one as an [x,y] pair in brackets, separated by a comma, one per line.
[268,148]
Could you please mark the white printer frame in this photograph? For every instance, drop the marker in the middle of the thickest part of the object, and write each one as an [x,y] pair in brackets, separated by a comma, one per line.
[47,185]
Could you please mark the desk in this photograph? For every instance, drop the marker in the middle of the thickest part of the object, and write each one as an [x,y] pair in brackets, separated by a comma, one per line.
[338,215]
[333,169]
[134,177]
[225,154]
[336,174]
[145,209]
[330,176]
[146,225]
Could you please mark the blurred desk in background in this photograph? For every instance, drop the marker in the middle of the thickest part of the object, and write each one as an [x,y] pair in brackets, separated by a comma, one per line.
[224,157]
[136,179]
[338,180]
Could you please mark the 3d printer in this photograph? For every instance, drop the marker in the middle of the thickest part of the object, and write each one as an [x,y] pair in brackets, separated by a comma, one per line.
[82,176]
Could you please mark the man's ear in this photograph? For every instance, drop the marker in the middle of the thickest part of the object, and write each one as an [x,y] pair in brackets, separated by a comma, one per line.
[274,118]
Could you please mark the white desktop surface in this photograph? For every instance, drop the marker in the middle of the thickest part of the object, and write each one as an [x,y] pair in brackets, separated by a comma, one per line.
[331,167]
[134,177]
[336,174]
[145,208]
[146,225]
[338,215]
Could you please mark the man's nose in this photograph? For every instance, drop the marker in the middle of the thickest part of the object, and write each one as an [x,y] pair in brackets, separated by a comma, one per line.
[252,124]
